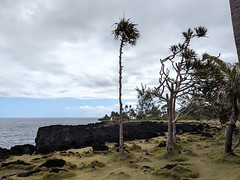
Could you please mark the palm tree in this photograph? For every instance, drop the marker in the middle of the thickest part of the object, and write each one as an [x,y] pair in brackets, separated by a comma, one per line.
[127,33]
[230,93]
[235,13]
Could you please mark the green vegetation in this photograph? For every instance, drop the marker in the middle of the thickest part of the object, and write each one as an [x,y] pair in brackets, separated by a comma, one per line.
[194,157]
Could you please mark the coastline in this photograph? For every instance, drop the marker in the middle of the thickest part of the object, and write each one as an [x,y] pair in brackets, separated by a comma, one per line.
[19,131]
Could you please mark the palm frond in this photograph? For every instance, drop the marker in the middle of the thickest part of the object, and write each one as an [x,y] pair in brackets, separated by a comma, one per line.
[127,31]
[201,31]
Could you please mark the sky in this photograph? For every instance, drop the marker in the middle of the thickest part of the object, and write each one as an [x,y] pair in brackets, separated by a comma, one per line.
[58,58]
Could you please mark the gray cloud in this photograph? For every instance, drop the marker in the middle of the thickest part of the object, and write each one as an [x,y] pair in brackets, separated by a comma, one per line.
[62,48]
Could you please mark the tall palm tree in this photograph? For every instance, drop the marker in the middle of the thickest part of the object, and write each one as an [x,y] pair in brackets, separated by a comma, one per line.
[235,12]
[127,33]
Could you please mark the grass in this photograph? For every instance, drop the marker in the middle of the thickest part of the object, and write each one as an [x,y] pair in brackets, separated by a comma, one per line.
[195,158]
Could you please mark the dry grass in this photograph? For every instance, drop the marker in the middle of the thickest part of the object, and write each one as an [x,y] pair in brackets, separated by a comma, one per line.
[196,157]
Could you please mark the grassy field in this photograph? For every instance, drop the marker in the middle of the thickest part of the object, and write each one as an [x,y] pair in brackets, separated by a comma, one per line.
[196,157]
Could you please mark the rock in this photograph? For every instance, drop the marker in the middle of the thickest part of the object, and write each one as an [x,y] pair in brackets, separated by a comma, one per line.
[4,153]
[56,170]
[65,153]
[53,163]
[95,164]
[22,149]
[186,151]
[169,166]
[18,162]
[100,147]
[146,167]
[86,152]
[63,137]
[162,144]
[27,174]
[206,134]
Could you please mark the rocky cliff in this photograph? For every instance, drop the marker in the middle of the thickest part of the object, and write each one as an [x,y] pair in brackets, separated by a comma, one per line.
[62,137]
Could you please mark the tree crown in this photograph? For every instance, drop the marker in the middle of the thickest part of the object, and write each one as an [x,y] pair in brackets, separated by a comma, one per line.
[126,31]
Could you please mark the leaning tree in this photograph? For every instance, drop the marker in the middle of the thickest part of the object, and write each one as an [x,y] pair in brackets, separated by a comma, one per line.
[127,33]
[229,92]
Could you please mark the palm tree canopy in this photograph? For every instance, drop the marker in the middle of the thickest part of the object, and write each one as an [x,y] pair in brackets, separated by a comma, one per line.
[231,81]
[127,31]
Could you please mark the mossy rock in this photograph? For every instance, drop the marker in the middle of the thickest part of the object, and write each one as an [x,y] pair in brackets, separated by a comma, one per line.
[148,168]
[124,157]
[87,154]
[70,166]
[95,165]
[180,158]
[61,175]
[135,147]
[178,171]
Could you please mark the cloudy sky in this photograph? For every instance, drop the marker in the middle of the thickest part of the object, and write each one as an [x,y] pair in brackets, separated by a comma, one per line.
[59,59]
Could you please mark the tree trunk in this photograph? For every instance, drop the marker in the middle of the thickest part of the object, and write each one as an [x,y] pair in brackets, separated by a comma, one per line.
[174,125]
[232,124]
[170,125]
[121,148]
[174,133]
[235,14]
[228,140]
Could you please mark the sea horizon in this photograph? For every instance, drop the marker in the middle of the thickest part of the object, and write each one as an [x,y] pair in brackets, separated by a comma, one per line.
[19,131]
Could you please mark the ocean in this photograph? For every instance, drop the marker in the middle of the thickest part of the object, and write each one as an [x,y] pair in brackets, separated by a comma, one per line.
[19,131]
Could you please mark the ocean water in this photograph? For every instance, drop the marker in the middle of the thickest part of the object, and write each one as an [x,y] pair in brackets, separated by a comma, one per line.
[19,131]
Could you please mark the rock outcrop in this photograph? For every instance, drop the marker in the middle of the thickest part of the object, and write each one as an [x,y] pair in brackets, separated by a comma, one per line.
[16,150]
[63,137]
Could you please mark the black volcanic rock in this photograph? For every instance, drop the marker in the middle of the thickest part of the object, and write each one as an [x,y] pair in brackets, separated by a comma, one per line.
[206,134]
[53,163]
[4,153]
[162,144]
[30,173]
[100,147]
[63,137]
[16,150]
[169,166]
[18,162]
[22,149]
